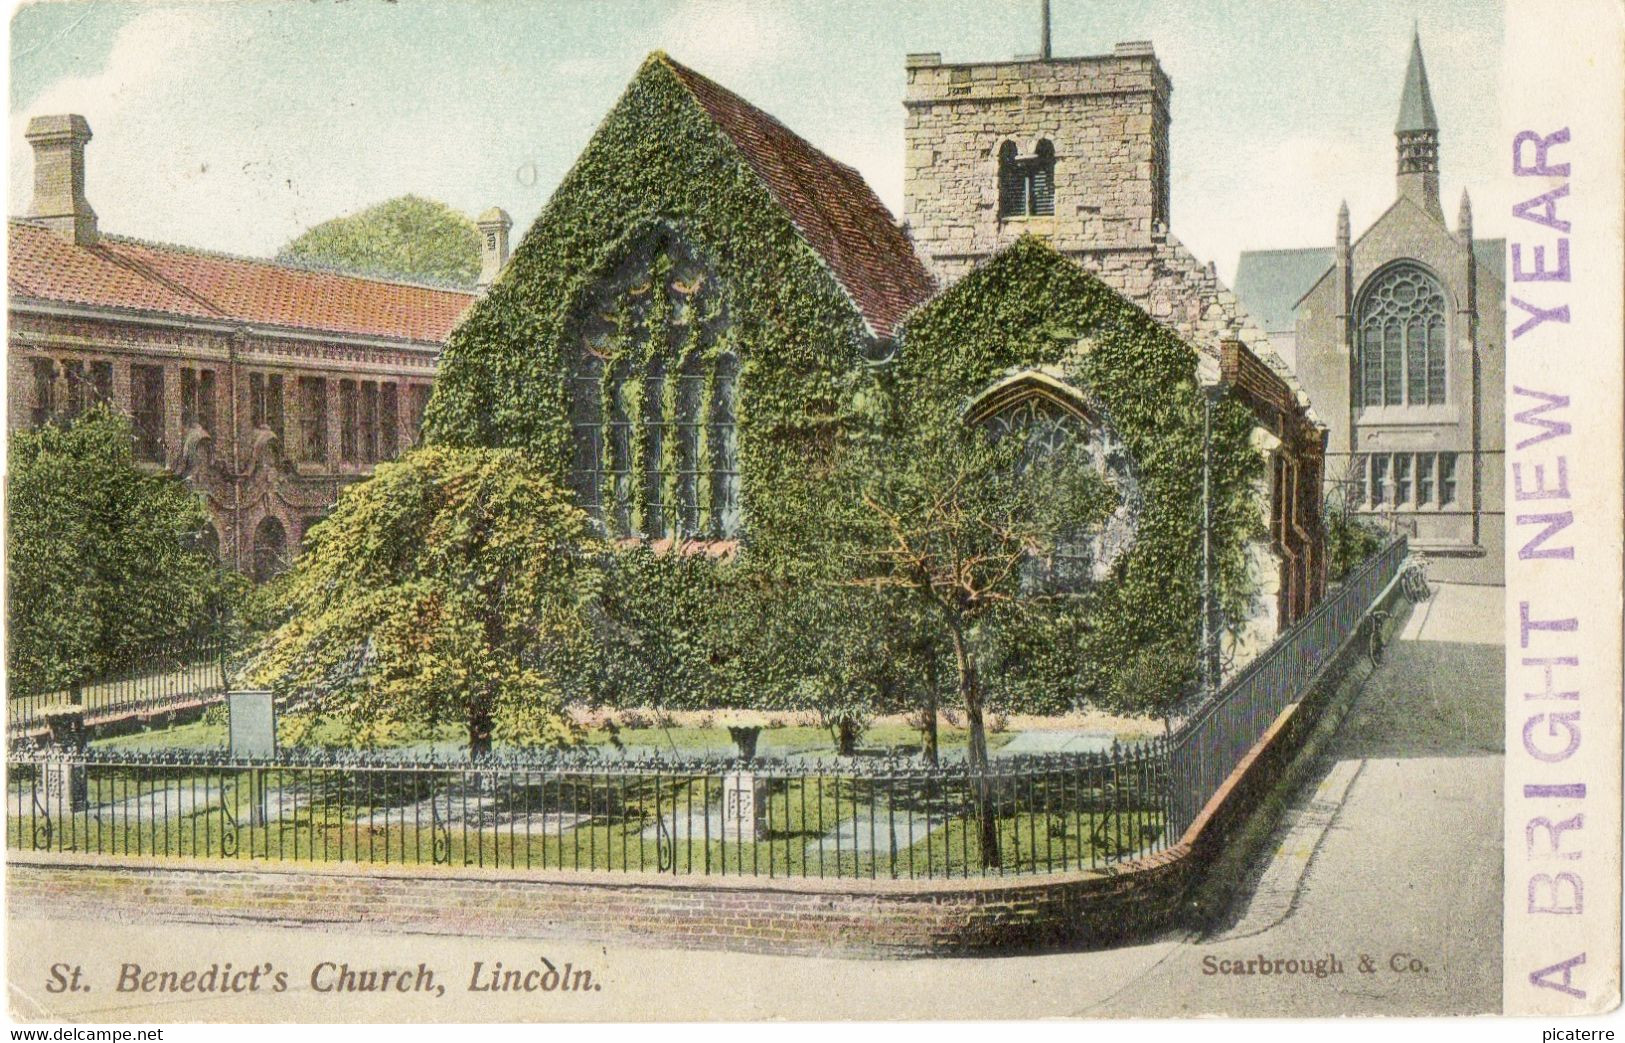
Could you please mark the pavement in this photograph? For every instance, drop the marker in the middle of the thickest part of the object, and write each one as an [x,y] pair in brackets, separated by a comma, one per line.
[1384,877]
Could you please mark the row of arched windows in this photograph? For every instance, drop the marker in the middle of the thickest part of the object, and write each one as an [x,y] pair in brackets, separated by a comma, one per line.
[1400,339]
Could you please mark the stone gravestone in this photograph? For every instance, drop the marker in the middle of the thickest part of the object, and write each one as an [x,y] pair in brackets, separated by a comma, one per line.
[251,734]
[67,784]
[744,807]
[251,727]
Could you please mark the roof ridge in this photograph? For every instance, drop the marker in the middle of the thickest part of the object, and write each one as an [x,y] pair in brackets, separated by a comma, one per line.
[833,209]
[309,268]
[267,262]
[684,70]
[1287,250]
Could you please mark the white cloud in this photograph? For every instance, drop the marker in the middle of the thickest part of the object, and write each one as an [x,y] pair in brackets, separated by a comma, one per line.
[148,60]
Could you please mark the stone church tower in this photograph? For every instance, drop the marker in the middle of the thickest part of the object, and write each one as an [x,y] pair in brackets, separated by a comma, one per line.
[1072,150]
[1075,152]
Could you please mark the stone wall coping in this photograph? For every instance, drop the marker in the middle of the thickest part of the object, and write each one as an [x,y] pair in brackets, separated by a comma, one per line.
[843,887]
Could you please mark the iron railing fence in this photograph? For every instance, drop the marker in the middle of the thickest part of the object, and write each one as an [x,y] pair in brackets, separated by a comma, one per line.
[163,674]
[850,818]
[1206,748]
[891,819]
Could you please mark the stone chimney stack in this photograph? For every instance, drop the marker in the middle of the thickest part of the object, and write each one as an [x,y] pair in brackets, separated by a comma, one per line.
[59,177]
[494,225]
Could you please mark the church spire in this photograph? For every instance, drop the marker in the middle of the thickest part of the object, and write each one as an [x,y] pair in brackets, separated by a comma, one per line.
[1418,135]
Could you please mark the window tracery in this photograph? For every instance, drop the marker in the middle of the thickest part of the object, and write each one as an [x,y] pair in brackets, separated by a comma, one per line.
[653,389]
[1401,331]
[1049,432]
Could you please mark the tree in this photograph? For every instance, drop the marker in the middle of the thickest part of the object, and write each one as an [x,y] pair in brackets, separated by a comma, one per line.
[959,522]
[404,238]
[664,637]
[103,557]
[452,586]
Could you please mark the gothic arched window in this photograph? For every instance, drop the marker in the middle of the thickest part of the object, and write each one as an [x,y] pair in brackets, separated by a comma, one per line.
[1026,183]
[652,385]
[1052,423]
[1401,339]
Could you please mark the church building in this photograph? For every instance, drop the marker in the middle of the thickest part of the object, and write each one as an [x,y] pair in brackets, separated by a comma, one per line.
[683,327]
[1397,336]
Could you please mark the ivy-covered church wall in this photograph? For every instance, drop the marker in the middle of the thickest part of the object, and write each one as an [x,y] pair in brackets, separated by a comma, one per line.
[659,167]
[1121,643]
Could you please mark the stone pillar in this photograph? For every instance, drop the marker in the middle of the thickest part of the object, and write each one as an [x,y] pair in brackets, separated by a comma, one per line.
[330,390]
[67,786]
[744,807]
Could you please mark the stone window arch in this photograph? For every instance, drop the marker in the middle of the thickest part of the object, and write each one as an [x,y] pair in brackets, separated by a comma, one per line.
[653,384]
[1401,338]
[1051,417]
[1027,183]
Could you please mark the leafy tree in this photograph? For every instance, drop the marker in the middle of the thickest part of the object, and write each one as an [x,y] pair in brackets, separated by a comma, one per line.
[959,522]
[663,633]
[103,557]
[406,238]
[452,586]
[821,647]
[1350,539]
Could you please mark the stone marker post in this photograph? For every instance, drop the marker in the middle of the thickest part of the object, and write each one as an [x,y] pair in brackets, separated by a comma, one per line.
[744,807]
[251,733]
[67,784]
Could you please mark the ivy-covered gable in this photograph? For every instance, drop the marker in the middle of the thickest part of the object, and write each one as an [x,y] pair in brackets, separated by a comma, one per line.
[1030,307]
[663,195]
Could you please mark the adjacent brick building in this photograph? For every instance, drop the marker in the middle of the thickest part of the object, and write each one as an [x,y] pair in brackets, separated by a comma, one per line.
[1398,337]
[268,387]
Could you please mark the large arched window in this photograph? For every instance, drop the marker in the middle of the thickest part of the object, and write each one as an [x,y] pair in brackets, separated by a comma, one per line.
[1026,183]
[1401,339]
[1053,421]
[653,383]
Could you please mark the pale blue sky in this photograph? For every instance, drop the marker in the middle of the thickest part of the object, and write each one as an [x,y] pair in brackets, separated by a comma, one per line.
[235,125]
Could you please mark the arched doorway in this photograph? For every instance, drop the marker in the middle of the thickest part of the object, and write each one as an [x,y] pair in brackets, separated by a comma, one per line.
[270,548]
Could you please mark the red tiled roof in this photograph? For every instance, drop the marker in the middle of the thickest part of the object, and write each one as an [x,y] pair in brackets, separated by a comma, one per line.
[832,206]
[130,274]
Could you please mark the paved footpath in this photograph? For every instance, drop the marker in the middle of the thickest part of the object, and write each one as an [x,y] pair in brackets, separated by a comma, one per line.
[1394,850]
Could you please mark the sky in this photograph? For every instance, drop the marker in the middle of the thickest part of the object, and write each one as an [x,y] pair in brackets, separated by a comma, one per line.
[235,125]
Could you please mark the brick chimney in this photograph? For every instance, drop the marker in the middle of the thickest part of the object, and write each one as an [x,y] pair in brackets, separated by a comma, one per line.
[59,177]
[494,225]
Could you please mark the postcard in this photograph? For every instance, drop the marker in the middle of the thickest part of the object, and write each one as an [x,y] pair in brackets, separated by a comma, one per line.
[585,511]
